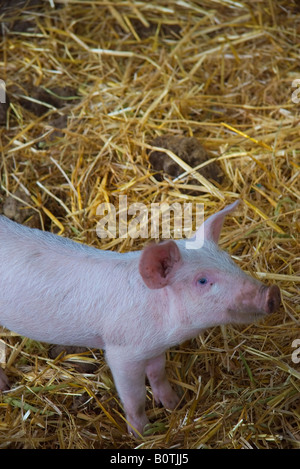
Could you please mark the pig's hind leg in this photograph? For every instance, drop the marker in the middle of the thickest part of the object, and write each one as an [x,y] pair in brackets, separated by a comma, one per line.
[162,390]
[4,383]
[129,378]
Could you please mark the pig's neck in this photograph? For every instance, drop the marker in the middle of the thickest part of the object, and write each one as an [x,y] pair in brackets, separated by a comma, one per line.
[172,316]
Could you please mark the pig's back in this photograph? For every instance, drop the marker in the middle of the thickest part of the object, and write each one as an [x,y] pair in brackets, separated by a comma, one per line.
[55,290]
[20,237]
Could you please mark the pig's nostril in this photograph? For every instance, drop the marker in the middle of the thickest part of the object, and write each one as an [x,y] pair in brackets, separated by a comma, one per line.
[273,299]
[271,305]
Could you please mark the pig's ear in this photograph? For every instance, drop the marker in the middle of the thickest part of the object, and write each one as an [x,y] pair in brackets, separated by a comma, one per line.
[158,262]
[213,225]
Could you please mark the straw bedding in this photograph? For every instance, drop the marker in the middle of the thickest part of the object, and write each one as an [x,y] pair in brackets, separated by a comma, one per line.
[90,86]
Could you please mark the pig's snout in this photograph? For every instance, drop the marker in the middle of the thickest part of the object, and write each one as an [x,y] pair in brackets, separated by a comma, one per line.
[256,302]
[272,299]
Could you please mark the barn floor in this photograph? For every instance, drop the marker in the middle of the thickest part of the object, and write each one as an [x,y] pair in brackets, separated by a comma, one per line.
[124,98]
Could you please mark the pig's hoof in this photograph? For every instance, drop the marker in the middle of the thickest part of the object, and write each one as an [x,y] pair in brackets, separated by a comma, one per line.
[137,428]
[170,400]
[4,383]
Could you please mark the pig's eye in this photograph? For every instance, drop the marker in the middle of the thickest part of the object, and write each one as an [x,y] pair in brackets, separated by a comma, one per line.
[202,280]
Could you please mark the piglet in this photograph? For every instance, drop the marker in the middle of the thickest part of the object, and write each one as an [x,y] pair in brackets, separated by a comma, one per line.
[134,305]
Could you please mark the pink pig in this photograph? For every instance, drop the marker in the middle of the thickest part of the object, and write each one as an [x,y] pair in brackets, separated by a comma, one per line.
[134,305]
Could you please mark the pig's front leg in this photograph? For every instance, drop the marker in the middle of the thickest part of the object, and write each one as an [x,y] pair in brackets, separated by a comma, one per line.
[162,390]
[4,383]
[129,378]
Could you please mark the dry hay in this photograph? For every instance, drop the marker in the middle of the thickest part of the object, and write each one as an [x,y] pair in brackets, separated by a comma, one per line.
[91,84]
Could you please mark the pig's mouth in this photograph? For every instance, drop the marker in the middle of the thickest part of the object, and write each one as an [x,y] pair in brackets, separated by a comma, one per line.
[245,315]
